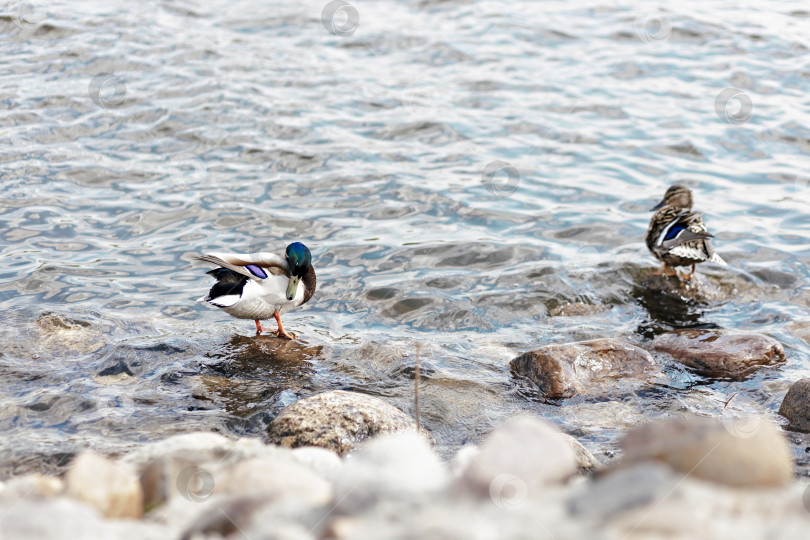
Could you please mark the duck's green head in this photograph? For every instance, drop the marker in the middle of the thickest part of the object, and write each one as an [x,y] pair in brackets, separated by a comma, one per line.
[678,196]
[300,260]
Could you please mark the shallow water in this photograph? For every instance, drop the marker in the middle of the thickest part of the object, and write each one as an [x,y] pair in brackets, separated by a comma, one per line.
[458,169]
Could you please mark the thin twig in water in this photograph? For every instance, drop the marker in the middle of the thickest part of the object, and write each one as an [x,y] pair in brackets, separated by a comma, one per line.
[729,401]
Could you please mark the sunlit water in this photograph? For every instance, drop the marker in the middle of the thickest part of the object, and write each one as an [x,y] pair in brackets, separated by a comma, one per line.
[458,169]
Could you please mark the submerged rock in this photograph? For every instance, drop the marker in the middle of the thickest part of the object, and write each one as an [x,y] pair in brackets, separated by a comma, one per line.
[518,460]
[52,333]
[575,309]
[586,461]
[796,405]
[720,353]
[111,487]
[337,420]
[713,450]
[562,370]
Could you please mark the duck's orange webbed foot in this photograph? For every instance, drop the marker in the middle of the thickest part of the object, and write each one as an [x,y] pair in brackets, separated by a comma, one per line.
[281,332]
[666,271]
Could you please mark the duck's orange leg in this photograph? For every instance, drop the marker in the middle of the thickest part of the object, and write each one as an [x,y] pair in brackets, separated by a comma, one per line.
[281,332]
[663,272]
[258,327]
[690,274]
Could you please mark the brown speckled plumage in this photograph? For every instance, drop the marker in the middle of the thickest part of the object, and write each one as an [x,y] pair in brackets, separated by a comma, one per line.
[677,236]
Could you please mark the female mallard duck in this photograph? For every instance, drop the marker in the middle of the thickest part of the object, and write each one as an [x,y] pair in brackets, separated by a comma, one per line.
[677,236]
[261,285]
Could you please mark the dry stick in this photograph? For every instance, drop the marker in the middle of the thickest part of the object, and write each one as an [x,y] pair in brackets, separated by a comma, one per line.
[729,401]
[416,388]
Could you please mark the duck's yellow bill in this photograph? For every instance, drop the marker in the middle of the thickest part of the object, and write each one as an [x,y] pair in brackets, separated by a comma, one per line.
[292,287]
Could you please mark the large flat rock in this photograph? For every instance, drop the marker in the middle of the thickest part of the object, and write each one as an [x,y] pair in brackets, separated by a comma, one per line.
[718,352]
[562,370]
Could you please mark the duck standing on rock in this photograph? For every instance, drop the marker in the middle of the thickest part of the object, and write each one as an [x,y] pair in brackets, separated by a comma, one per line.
[259,286]
[677,236]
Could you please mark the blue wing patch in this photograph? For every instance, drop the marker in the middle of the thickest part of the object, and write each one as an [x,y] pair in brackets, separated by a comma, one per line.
[256,271]
[673,232]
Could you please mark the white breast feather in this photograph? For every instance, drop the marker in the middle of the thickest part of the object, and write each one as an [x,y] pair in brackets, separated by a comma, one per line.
[688,252]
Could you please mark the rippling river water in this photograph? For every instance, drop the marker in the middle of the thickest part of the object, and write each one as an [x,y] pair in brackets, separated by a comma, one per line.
[458,169]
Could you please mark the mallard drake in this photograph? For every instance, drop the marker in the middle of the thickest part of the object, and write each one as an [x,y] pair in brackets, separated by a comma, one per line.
[677,236]
[259,286]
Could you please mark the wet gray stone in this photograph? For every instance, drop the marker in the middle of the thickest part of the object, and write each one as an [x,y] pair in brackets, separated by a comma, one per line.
[718,352]
[796,405]
[337,421]
[562,370]
[586,461]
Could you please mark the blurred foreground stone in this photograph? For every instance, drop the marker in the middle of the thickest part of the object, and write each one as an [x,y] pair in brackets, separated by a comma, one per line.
[527,452]
[738,453]
[111,487]
[688,478]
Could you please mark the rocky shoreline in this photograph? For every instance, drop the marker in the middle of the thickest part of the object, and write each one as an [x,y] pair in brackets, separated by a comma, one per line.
[349,465]
[345,465]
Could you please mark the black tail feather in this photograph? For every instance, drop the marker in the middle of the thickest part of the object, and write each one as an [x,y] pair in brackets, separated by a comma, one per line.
[228,282]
